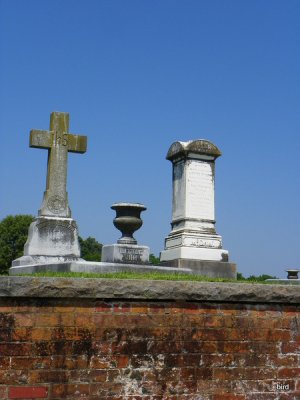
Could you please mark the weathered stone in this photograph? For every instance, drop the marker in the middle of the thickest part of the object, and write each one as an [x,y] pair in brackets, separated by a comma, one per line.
[53,236]
[79,265]
[284,281]
[193,236]
[126,253]
[212,269]
[15,286]
[59,142]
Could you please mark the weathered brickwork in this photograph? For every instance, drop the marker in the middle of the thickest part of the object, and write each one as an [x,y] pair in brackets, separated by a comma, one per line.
[138,350]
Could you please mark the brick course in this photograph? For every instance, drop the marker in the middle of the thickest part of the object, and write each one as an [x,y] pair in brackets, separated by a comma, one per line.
[85,348]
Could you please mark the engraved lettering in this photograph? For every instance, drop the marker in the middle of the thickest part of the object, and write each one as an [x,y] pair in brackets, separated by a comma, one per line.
[60,140]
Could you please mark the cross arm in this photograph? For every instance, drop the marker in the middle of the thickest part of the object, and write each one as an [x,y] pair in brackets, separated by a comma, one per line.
[40,139]
[77,143]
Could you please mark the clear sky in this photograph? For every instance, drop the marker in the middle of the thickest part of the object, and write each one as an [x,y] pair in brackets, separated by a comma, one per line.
[137,75]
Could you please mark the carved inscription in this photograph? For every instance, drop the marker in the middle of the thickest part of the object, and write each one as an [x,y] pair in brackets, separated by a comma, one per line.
[58,231]
[200,190]
[131,255]
[60,138]
[198,242]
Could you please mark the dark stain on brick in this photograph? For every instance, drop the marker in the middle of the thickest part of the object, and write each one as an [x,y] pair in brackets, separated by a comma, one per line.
[136,374]
[7,325]
[84,346]
[116,334]
[43,348]
[61,347]
[58,334]
[132,347]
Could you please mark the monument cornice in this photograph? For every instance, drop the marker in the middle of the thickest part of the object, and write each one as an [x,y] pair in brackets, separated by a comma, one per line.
[179,150]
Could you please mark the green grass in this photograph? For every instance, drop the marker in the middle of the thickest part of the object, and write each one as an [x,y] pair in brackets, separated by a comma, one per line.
[134,275]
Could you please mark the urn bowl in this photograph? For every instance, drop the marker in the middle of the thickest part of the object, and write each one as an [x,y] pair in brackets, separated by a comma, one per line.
[128,220]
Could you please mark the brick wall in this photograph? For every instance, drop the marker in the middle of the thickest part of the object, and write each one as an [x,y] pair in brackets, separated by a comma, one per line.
[82,348]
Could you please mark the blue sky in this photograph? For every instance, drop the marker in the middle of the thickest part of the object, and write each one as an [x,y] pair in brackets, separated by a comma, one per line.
[137,75]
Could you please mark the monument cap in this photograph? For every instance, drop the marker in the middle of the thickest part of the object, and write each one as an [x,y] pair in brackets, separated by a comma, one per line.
[180,150]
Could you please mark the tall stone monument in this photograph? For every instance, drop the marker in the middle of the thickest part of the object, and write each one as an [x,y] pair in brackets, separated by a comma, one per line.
[193,241]
[53,236]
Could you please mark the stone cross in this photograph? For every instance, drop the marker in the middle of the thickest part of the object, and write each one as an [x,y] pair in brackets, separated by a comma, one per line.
[59,142]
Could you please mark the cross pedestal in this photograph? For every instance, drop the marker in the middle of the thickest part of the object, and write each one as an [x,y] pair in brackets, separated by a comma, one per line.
[53,236]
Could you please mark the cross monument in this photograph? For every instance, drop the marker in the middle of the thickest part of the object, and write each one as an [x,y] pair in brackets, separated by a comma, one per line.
[53,235]
[59,142]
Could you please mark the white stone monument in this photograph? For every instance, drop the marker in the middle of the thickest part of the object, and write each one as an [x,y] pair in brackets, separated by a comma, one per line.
[53,236]
[193,241]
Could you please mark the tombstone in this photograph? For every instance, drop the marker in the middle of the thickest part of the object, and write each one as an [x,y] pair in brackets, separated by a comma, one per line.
[193,241]
[126,250]
[53,236]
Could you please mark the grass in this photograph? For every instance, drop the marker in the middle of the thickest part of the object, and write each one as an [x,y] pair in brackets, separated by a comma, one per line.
[134,275]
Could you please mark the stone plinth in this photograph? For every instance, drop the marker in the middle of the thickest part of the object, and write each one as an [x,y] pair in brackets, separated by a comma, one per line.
[50,240]
[193,236]
[125,253]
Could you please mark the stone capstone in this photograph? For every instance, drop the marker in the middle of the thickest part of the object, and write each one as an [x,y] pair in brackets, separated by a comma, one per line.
[17,286]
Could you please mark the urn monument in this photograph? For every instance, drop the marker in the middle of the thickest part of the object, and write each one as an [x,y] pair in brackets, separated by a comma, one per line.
[126,250]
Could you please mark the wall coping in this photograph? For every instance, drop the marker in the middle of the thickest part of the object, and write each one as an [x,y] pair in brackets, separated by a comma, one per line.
[134,289]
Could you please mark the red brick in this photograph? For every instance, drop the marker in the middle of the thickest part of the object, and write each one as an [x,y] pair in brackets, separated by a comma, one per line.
[71,362]
[30,392]
[106,389]
[287,360]
[103,307]
[3,392]
[41,333]
[290,347]
[140,308]
[14,349]
[121,360]
[229,396]
[83,320]
[65,333]
[213,321]
[156,308]
[47,319]
[4,363]
[291,373]
[41,376]
[122,307]
[65,309]
[209,309]
[26,319]
[21,334]
[75,390]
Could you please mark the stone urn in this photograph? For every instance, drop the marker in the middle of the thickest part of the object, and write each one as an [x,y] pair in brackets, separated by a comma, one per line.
[128,220]
[292,273]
